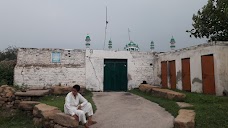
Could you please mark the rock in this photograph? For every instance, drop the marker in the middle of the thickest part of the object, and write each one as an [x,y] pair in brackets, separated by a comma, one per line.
[45,111]
[9,106]
[169,94]
[37,122]
[60,90]
[65,120]
[146,87]
[3,86]
[3,99]
[17,101]
[1,89]
[185,119]
[28,105]
[33,93]
[82,90]
[58,126]
[184,105]
[9,94]
[2,102]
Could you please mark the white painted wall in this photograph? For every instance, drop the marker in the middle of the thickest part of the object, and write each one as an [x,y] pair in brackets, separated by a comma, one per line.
[35,68]
[220,53]
[139,67]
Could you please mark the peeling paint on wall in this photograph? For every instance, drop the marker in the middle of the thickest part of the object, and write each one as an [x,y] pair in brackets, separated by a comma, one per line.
[179,76]
[196,80]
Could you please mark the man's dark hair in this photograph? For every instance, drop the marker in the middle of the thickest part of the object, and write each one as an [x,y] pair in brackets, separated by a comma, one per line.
[77,87]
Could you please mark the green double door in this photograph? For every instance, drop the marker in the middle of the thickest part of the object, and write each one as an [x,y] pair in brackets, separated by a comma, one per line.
[115,75]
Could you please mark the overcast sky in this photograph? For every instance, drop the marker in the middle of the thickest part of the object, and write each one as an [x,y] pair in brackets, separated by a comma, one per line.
[65,23]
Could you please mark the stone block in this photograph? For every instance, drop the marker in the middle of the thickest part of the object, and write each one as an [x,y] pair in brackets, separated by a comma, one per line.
[3,99]
[146,87]
[169,94]
[9,94]
[185,119]
[45,111]
[60,90]
[33,93]
[37,122]
[58,126]
[2,102]
[184,105]
[65,120]
[17,101]
[28,105]
[1,89]
[9,106]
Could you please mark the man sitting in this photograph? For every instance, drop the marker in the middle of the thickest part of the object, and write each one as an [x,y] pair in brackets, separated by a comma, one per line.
[73,107]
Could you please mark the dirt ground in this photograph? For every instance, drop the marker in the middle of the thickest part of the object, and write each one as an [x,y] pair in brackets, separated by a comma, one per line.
[126,110]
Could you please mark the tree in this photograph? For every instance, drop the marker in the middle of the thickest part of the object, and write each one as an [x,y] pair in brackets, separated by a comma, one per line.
[9,53]
[8,58]
[212,21]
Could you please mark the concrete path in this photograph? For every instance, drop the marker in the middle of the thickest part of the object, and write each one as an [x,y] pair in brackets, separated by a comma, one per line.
[126,110]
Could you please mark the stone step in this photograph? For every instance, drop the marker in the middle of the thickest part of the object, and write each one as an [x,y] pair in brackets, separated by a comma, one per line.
[184,105]
[169,94]
[185,119]
[65,120]
[147,87]
[27,105]
[33,93]
[45,111]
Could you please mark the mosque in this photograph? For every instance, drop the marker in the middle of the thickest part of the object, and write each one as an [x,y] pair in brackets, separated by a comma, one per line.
[202,68]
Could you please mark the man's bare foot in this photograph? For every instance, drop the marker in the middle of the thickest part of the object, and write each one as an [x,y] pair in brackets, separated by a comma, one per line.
[86,125]
[92,123]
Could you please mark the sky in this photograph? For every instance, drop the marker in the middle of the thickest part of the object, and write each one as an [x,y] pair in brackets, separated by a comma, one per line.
[65,23]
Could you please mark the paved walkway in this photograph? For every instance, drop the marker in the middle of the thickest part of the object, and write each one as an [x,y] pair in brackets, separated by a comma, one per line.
[126,110]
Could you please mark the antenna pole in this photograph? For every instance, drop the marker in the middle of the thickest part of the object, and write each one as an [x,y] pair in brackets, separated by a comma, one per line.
[129,34]
[106,25]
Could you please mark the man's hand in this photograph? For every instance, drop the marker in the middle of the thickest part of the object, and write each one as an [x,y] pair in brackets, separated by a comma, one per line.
[76,117]
[79,107]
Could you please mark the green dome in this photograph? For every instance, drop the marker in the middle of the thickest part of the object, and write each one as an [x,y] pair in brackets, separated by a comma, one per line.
[131,44]
[87,38]
[172,41]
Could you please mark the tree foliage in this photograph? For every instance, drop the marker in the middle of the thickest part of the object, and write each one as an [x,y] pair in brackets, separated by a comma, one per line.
[211,21]
[8,59]
[9,53]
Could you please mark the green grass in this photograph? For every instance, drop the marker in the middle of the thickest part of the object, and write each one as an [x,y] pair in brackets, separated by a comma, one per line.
[211,111]
[59,100]
[16,119]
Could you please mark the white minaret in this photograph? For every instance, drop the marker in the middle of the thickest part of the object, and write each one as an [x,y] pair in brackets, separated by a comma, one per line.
[152,46]
[87,41]
[172,42]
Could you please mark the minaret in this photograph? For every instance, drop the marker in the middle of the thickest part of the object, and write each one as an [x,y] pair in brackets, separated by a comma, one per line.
[110,44]
[172,42]
[87,41]
[152,46]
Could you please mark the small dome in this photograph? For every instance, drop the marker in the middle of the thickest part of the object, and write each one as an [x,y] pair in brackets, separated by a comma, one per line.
[131,46]
[87,38]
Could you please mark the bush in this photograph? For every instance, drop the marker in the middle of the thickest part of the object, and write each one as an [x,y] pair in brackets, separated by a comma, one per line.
[7,72]
[8,59]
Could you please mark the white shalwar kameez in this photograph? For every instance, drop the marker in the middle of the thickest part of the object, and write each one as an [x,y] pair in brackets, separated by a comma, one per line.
[71,106]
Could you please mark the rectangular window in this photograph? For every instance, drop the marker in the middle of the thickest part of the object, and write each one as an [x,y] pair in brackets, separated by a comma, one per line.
[55,57]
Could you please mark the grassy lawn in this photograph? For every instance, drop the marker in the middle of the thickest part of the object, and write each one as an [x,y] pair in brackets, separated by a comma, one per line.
[19,119]
[15,119]
[211,111]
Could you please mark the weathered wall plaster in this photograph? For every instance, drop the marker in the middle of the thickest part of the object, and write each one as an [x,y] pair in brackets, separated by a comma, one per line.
[220,53]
